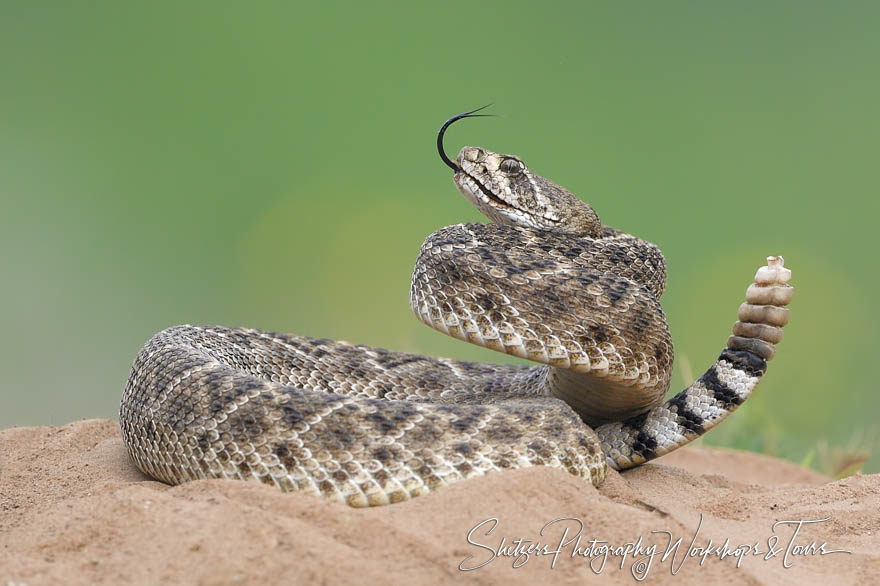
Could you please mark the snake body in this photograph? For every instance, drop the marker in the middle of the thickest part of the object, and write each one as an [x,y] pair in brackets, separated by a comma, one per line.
[545,281]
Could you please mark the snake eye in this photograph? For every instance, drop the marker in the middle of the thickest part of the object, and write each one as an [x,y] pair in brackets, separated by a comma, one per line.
[511,167]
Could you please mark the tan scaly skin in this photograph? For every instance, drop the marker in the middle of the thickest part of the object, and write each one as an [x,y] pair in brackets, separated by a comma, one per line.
[545,281]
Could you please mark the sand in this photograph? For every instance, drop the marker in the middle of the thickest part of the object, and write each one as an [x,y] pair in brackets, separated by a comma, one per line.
[74,510]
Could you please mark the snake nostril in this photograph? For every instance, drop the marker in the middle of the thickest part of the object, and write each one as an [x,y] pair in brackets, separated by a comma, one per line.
[471,154]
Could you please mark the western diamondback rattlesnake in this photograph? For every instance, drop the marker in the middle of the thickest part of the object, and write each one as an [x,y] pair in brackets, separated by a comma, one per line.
[546,281]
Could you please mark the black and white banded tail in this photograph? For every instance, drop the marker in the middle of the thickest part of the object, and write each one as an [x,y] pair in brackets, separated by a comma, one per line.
[721,389]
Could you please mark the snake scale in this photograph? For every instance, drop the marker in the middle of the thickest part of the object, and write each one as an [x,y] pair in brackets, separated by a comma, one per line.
[545,281]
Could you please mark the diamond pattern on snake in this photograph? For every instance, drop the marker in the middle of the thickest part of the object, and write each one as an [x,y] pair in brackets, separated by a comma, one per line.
[545,281]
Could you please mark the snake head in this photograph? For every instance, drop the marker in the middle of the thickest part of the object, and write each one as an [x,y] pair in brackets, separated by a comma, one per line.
[507,192]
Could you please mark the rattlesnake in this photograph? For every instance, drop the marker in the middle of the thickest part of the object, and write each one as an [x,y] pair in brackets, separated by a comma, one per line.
[545,281]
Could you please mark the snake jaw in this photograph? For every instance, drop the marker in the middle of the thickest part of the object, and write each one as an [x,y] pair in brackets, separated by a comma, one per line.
[485,200]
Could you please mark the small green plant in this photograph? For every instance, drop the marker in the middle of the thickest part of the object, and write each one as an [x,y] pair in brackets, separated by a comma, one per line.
[840,461]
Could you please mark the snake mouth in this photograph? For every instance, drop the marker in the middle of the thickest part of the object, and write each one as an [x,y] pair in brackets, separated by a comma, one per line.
[490,196]
[467,183]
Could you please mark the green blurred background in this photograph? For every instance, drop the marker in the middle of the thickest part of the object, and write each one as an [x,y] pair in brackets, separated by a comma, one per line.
[272,165]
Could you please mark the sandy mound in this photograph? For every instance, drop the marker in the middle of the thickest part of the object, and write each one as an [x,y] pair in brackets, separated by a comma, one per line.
[74,510]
